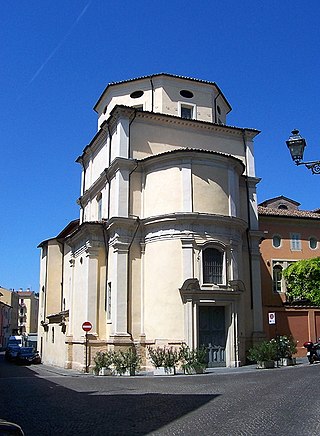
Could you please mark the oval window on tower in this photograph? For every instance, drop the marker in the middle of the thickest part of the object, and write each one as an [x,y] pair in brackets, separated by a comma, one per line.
[186,94]
[136,94]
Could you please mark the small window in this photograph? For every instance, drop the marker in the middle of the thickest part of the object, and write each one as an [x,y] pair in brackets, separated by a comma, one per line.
[186,112]
[295,242]
[219,110]
[313,243]
[276,241]
[136,94]
[108,301]
[186,94]
[52,335]
[283,206]
[99,207]
[212,266]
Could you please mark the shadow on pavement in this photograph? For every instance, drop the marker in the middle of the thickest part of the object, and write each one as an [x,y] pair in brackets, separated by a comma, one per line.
[42,407]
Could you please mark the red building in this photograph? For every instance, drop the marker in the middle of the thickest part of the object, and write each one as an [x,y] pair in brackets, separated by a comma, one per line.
[290,234]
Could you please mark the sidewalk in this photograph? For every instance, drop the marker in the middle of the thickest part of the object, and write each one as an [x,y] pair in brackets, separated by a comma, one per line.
[217,370]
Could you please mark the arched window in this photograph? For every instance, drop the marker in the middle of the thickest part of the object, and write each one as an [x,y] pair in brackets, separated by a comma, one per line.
[313,243]
[277,278]
[276,241]
[212,266]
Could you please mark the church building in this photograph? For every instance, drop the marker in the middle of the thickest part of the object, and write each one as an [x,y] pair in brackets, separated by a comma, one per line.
[166,247]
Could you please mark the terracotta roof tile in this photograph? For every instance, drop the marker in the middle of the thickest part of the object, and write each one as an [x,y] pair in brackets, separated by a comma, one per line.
[290,213]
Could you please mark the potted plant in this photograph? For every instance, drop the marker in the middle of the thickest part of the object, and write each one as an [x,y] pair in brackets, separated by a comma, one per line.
[264,353]
[164,360]
[193,361]
[120,362]
[285,348]
[103,360]
[132,360]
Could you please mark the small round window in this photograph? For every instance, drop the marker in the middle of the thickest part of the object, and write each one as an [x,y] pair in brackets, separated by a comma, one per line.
[313,243]
[136,94]
[276,241]
[186,94]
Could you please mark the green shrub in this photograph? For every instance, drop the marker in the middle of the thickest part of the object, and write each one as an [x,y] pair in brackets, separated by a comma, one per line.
[132,360]
[102,359]
[286,346]
[162,356]
[157,356]
[193,360]
[263,351]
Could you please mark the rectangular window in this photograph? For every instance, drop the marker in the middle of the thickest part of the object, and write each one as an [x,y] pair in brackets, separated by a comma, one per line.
[277,278]
[52,337]
[99,203]
[295,242]
[108,301]
[187,111]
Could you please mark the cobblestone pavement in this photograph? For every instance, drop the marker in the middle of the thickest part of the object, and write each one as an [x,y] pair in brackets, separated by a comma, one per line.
[240,401]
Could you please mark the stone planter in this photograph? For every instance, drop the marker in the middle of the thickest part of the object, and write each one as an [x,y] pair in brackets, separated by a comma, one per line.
[287,361]
[105,371]
[164,371]
[265,364]
[193,371]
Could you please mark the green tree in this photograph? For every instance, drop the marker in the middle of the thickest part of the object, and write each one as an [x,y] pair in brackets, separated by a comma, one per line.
[303,280]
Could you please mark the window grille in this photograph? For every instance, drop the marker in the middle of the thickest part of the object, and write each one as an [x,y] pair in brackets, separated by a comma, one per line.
[212,266]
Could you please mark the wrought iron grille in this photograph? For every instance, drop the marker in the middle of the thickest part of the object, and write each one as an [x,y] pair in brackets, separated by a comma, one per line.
[212,266]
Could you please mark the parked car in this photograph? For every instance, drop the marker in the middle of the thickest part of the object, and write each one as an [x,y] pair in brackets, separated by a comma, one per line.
[12,352]
[10,428]
[25,355]
[37,358]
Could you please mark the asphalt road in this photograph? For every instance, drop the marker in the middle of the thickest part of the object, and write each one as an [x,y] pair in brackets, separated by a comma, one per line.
[244,401]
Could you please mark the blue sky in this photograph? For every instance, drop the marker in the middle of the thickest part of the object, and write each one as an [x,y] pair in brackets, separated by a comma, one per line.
[57,56]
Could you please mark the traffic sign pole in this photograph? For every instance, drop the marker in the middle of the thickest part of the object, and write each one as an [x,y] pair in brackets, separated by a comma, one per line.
[87,326]
[87,366]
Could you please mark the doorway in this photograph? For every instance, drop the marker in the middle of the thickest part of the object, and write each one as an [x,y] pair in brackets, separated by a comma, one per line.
[212,334]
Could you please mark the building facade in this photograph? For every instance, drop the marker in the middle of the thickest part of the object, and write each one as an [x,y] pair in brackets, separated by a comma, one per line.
[9,304]
[166,250]
[290,234]
[28,312]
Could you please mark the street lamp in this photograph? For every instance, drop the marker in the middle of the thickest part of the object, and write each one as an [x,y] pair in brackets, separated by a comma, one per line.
[296,145]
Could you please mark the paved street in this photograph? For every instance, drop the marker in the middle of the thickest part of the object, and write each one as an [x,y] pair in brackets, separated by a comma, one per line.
[244,401]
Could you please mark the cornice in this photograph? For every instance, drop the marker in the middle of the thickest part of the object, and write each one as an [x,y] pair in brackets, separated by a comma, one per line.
[195,218]
[166,119]
[99,138]
[200,227]
[118,164]
[94,189]
[88,234]
[185,154]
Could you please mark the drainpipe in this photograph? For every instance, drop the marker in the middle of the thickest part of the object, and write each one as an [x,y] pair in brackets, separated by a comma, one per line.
[109,187]
[128,271]
[62,274]
[135,232]
[215,106]
[152,94]
[108,214]
[249,218]
[80,160]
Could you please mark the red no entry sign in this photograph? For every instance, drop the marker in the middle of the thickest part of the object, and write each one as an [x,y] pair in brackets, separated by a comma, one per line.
[87,326]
